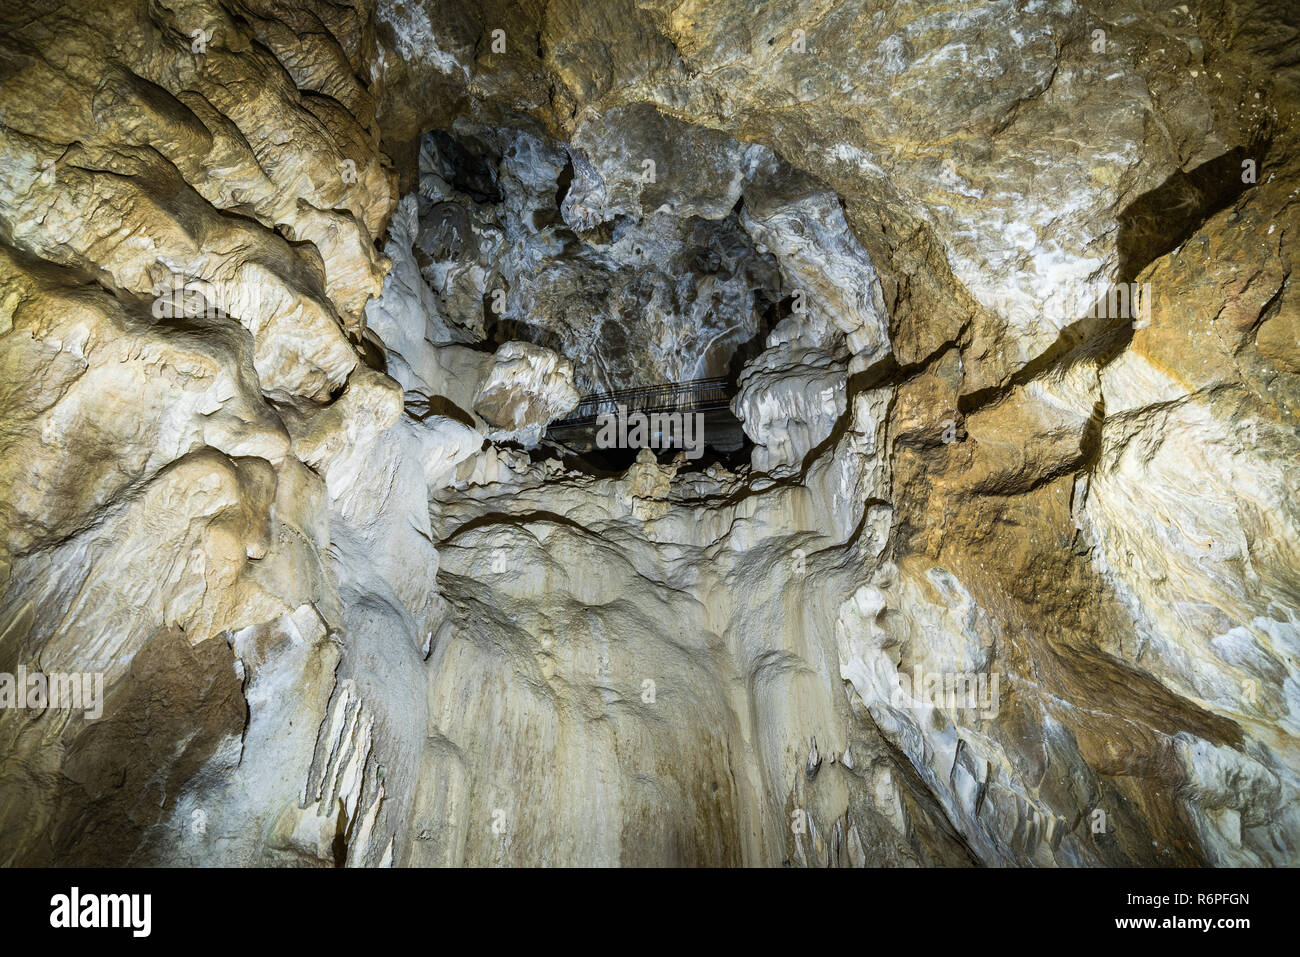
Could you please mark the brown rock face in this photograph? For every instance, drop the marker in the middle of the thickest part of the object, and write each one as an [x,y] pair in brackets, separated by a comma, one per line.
[291,572]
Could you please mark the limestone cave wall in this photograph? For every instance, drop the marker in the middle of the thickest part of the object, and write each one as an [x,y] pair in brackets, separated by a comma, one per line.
[292,290]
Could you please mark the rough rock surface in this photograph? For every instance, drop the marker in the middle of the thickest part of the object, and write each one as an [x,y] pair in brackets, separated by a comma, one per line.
[524,389]
[1012,575]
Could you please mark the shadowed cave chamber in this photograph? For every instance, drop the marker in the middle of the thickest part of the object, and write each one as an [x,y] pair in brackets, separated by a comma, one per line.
[971,570]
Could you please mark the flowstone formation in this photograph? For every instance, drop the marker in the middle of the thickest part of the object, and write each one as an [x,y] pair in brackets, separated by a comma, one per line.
[295,568]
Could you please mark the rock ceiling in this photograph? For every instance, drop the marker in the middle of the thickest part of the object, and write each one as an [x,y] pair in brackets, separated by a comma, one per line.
[1007,573]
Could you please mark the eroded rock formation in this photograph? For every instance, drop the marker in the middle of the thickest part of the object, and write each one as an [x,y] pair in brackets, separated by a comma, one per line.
[290,293]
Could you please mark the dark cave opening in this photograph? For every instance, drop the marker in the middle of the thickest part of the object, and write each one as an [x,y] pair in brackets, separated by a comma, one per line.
[619,299]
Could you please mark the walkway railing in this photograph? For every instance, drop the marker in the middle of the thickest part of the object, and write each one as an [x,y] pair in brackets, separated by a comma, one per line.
[695,395]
